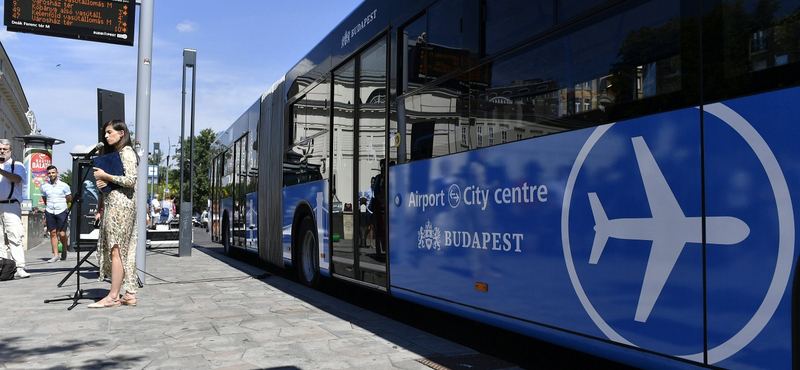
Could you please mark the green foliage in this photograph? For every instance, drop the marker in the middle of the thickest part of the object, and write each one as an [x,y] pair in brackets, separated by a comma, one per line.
[65,176]
[156,158]
[204,150]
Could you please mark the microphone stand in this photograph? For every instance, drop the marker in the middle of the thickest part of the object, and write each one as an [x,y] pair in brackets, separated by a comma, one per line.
[79,293]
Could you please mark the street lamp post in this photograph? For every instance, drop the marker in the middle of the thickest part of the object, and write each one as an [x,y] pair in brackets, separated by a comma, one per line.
[143,77]
[185,239]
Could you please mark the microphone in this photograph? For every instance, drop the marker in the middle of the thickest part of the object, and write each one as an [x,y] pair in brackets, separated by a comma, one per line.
[94,150]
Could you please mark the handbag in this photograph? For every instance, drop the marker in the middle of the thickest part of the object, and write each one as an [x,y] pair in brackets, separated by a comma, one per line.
[7,269]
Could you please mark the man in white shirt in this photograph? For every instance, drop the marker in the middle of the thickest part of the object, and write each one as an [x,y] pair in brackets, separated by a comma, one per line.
[12,177]
[56,195]
[155,210]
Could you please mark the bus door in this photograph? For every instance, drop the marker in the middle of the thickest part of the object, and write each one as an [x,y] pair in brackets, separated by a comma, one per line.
[357,216]
[240,191]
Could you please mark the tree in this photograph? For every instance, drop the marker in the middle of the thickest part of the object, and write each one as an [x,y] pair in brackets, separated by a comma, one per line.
[155,158]
[66,177]
[204,150]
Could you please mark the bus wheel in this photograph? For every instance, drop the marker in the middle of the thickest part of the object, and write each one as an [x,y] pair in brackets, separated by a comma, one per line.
[308,264]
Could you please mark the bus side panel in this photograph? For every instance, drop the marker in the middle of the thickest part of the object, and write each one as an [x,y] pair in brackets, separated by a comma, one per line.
[597,232]
[313,193]
[752,174]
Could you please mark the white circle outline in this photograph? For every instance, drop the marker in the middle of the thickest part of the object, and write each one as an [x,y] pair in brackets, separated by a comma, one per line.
[783,266]
[450,200]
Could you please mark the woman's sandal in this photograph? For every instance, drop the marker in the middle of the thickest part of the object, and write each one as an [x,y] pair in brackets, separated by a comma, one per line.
[128,301]
[105,302]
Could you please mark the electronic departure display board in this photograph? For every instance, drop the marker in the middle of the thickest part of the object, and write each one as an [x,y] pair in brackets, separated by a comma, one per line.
[110,21]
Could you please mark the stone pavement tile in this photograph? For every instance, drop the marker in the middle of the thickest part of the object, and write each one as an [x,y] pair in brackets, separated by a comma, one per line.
[105,361]
[190,330]
[227,342]
[305,334]
[194,362]
[276,356]
[228,312]
[270,336]
[227,359]
[344,329]
[191,348]
[235,366]
[230,326]
[262,322]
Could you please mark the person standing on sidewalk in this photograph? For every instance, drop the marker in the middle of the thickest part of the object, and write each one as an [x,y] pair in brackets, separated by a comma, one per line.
[116,246]
[56,195]
[155,210]
[12,177]
[166,209]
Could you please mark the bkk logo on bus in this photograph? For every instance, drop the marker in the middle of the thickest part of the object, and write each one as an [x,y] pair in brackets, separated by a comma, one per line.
[348,34]
[432,238]
[667,219]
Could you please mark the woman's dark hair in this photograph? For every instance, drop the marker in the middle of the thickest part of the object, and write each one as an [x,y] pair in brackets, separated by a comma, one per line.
[118,125]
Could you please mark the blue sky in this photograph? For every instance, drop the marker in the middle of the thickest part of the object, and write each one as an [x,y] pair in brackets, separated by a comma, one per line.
[243,47]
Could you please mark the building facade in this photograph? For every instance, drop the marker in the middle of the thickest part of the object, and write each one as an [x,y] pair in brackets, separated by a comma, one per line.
[16,119]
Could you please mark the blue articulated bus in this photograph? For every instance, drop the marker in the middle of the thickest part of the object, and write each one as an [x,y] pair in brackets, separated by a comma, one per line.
[617,177]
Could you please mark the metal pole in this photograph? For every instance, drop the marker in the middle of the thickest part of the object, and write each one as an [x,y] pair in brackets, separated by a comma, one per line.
[191,141]
[148,178]
[143,77]
[185,231]
[401,107]
[188,208]
[166,183]
[183,123]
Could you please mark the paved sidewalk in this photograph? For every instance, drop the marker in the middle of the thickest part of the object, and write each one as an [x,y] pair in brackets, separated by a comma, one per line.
[200,312]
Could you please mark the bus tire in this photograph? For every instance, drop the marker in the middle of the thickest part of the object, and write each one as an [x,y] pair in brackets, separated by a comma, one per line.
[308,262]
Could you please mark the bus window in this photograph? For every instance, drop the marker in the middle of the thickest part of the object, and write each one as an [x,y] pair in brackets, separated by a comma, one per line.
[434,43]
[342,187]
[577,80]
[369,219]
[306,155]
[568,9]
[415,35]
[435,123]
[754,49]
[508,22]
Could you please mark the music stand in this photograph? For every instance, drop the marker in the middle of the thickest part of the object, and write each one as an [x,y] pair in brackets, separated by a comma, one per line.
[84,167]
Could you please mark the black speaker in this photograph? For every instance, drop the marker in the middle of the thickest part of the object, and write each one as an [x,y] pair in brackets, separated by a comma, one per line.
[110,106]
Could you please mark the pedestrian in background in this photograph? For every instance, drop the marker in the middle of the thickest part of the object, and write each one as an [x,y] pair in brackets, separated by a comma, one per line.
[166,210]
[12,178]
[172,208]
[116,246]
[56,194]
[155,210]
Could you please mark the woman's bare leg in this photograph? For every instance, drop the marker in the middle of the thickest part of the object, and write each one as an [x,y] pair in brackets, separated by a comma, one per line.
[117,273]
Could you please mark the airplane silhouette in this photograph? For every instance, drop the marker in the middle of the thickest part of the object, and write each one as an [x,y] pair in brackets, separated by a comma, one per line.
[669,229]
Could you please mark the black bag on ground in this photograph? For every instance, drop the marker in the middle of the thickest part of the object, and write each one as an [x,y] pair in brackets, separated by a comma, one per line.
[7,269]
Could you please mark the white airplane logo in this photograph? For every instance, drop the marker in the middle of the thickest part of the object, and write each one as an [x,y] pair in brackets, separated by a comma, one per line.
[669,229]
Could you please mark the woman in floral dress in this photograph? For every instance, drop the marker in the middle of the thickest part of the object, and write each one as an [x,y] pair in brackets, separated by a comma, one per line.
[116,247]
